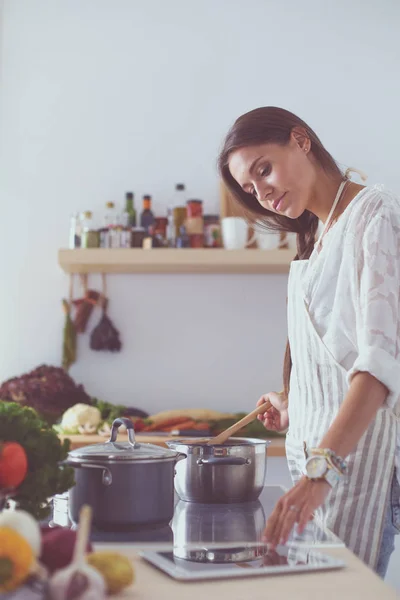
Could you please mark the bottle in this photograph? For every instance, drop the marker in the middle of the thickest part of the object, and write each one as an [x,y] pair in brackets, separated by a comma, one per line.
[130,209]
[176,214]
[125,231]
[110,217]
[111,225]
[75,231]
[147,218]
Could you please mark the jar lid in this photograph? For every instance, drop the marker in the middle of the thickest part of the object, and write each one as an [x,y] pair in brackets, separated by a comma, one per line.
[115,451]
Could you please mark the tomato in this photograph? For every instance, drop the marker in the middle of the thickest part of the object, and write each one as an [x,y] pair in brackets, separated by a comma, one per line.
[13,464]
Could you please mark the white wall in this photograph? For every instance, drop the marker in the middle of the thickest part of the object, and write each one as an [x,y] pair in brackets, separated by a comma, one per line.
[102,96]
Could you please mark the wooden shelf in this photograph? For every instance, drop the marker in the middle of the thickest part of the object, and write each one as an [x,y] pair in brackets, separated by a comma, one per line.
[171,260]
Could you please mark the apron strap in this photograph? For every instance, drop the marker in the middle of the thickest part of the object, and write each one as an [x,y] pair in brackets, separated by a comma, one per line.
[337,198]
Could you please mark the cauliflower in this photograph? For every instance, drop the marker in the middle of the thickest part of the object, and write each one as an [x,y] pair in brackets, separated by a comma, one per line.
[81,417]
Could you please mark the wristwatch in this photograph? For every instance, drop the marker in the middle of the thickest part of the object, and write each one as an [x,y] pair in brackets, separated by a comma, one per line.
[317,467]
[335,462]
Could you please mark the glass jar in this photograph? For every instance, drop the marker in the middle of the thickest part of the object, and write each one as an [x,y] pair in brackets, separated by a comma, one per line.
[160,227]
[196,240]
[138,234]
[194,208]
[212,231]
[90,236]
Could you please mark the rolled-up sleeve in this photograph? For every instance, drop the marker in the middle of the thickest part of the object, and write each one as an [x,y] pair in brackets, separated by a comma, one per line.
[378,294]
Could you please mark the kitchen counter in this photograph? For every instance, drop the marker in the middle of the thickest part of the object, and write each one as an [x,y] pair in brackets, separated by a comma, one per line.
[239,527]
[276,448]
[353,582]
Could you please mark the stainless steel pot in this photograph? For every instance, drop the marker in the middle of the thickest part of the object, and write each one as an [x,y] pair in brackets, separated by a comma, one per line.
[125,483]
[224,473]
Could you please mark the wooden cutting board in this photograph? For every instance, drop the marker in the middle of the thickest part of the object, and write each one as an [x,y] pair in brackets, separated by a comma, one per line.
[276,448]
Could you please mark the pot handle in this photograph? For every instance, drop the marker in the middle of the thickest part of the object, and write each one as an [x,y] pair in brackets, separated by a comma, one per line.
[230,460]
[106,478]
[129,427]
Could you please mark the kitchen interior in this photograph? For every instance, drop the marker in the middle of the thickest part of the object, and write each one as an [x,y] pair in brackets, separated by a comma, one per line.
[139,309]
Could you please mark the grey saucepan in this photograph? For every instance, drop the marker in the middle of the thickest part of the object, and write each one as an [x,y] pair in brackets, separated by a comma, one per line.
[125,483]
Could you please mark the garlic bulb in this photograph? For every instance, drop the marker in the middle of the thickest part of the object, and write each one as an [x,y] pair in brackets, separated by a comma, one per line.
[23,523]
[80,582]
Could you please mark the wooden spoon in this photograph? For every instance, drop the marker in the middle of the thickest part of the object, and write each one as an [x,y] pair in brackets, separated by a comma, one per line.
[224,435]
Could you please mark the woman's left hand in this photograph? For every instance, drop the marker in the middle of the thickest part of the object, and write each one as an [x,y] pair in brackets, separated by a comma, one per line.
[296,506]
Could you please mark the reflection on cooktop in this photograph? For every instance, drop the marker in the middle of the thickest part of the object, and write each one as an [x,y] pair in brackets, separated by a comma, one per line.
[204,525]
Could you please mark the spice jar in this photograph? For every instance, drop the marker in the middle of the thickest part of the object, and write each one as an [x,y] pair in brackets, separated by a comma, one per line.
[138,234]
[160,227]
[194,208]
[90,237]
[212,231]
[196,240]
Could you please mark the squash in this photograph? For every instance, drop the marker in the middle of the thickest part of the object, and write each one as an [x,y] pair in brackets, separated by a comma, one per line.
[16,559]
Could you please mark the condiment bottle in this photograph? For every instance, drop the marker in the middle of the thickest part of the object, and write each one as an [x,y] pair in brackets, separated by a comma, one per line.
[130,209]
[176,214]
[147,217]
[75,231]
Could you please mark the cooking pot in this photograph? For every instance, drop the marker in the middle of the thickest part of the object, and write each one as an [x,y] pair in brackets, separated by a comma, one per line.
[125,483]
[221,473]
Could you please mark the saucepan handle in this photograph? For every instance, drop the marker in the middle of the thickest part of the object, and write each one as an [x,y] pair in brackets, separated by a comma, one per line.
[106,477]
[129,427]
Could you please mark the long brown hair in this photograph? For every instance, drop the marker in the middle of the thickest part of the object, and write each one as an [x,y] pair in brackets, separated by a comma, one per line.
[274,125]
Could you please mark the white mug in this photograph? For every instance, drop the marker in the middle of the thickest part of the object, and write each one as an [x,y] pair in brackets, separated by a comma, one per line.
[268,240]
[235,234]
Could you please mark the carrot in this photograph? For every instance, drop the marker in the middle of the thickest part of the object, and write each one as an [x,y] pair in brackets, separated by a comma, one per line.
[185,425]
[160,425]
[200,426]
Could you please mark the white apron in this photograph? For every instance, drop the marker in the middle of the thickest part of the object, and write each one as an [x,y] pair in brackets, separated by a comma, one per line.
[355,510]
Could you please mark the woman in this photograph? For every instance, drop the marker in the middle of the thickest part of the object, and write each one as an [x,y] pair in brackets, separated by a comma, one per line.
[342,363]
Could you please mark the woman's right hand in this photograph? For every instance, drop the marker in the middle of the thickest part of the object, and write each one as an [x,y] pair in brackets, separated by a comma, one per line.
[277,418]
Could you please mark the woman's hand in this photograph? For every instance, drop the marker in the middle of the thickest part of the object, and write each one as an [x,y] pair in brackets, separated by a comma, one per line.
[296,506]
[277,418]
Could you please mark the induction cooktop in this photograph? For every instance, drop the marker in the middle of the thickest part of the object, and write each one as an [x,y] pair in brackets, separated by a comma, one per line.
[226,563]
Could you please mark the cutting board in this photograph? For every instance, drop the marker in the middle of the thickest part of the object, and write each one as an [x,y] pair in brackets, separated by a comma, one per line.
[276,448]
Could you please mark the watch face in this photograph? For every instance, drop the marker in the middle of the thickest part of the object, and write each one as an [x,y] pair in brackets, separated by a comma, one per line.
[316,467]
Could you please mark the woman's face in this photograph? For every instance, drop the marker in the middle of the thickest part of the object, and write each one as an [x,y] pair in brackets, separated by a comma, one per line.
[280,177]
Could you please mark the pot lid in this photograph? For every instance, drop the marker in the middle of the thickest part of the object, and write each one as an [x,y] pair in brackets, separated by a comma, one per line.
[130,451]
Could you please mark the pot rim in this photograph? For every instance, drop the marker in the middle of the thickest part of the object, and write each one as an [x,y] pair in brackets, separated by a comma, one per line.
[234,441]
[189,446]
[116,460]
